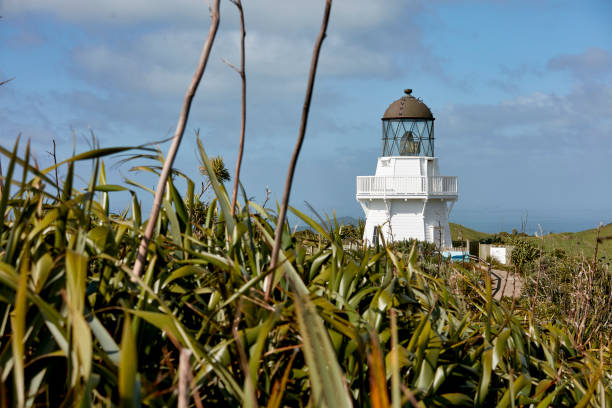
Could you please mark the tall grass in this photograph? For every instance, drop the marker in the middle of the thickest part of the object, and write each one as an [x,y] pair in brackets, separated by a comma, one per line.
[340,328]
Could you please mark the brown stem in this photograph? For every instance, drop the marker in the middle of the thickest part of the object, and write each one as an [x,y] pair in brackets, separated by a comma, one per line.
[296,151]
[183,380]
[54,155]
[535,296]
[242,355]
[178,136]
[243,118]
[596,245]
[55,165]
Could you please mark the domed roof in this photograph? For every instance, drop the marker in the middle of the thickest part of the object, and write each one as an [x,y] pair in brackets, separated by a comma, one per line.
[408,107]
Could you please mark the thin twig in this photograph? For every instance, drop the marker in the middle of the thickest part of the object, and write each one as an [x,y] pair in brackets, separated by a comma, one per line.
[54,155]
[6,81]
[268,193]
[229,64]
[596,245]
[535,296]
[296,152]
[242,74]
[282,349]
[410,396]
[178,136]
[195,393]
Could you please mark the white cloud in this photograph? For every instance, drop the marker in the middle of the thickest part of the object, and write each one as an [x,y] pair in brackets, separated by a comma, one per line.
[591,64]
[288,14]
[162,62]
[535,124]
[111,11]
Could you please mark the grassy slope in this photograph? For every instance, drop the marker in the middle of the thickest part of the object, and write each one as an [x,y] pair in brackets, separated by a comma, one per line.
[582,242]
[467,233]
[577,243]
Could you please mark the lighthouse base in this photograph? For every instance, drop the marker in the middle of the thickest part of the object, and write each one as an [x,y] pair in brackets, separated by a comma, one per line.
[403,219]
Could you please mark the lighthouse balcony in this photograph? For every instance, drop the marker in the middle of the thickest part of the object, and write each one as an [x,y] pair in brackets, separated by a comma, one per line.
[406,187]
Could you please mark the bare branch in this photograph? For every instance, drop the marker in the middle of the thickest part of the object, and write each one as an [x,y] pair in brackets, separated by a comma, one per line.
[54,155]
[6,81]
[242,74]
[296,152]
[229,64]
[178,136]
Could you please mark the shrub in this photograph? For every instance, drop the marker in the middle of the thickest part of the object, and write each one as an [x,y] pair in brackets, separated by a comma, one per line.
[574,292]
[524,252]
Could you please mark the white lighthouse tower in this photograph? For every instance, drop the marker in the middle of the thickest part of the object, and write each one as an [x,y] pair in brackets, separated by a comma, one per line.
[407,197]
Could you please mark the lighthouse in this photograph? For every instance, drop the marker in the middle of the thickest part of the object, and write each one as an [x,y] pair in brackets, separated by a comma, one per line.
[407,197]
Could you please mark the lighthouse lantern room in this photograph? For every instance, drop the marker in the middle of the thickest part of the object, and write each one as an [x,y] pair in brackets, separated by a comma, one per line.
[407,197]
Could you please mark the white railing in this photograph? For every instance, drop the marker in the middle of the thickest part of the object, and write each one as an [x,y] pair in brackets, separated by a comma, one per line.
[406,186]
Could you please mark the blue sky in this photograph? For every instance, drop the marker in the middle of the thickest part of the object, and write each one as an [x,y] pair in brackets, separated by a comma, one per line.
[521,92]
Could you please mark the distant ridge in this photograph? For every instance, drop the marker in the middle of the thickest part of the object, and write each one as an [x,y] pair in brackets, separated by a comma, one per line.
[345,220]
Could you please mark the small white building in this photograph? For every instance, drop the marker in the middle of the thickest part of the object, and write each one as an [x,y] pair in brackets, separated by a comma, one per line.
[407,197]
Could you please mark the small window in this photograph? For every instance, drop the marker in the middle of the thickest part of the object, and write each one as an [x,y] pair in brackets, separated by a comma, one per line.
[375,236]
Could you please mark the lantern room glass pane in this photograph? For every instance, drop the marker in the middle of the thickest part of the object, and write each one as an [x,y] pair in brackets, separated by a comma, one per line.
[408,137]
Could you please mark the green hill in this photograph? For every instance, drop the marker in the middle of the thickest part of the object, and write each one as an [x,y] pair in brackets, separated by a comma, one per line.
[459,231]
[580,243]
[574,243]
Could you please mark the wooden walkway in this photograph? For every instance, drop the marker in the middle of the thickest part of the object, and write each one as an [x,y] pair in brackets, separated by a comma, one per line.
[513,284]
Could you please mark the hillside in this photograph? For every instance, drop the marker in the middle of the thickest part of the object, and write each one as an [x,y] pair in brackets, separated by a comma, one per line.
[582,242]
[575,243]
[467,233]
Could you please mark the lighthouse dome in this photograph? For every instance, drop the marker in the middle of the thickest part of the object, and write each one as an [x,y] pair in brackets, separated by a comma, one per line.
[408,107]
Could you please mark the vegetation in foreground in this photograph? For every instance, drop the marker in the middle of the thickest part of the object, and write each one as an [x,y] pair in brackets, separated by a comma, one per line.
[368,327]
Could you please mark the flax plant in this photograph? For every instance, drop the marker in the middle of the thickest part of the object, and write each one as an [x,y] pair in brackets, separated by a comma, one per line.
[79,328]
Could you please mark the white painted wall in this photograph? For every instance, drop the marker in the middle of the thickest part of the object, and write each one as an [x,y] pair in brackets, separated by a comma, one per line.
[402,166]
[499,253]
[411,218]
[407,219]
[406,167]
[436,216]
[376,215]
